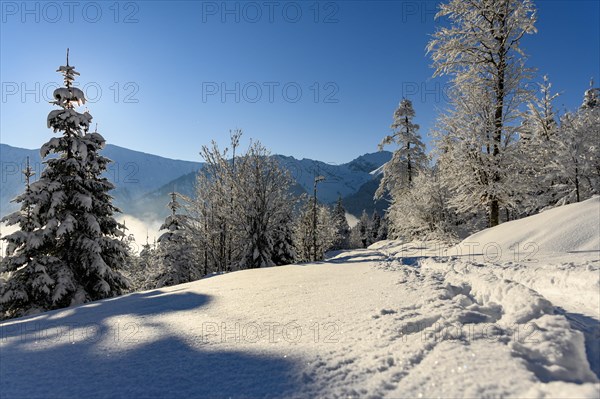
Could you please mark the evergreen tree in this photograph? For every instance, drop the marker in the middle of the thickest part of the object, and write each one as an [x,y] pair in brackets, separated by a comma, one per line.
[408,158]
[364,230]
[143,268]
[178,263]
[382,234]
[28,286]
[342,229]
[73,253]
[374,227]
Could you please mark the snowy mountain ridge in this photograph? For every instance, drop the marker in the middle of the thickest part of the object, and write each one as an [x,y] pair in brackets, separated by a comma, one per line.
[142,180]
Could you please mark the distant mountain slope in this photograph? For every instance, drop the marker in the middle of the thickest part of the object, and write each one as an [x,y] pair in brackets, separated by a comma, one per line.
[134,173]
[143,181]
[363,200]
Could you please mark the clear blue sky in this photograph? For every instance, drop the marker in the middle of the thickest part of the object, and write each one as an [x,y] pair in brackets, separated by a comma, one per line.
[172,60]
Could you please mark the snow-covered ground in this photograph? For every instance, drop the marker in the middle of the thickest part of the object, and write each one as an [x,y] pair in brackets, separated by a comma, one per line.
[395,320]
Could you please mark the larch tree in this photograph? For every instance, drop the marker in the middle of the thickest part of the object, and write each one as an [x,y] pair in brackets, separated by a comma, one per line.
[480,51]
[74,252]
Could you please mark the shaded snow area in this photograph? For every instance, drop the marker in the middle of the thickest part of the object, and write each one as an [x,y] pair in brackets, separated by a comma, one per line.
[395,320]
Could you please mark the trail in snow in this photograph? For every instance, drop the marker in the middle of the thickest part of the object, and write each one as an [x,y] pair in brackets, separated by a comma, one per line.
[362,324]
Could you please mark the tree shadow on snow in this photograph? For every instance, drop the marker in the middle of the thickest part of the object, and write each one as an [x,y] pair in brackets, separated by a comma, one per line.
[138,304]
[86,352]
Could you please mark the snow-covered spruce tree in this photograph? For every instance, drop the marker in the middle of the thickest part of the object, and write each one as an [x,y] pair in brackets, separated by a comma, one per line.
[74,252]
[177,260]
[143,269]
[374,227]
[480,51]
[382,234]
[27,286]
[342,229]
[362,229]
[408,158]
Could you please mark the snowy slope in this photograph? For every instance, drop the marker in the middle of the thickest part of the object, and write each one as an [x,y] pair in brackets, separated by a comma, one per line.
[570,228]
[396,320]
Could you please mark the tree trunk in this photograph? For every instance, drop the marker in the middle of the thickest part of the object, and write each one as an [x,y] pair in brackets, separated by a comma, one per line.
[494,213]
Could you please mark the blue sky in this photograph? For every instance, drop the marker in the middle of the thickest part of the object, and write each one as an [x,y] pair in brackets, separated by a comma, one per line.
[309,79]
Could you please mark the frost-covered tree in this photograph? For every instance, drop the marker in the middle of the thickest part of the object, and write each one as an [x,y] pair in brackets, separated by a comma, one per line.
[342,229]
[176,252]
[408,158]
[304,232]
[538,133]
[262,209]
[144,268]
[284,252]
[574,171]
[591,98]
[424,212]
[541,119]
[252,196]
[480,51]
[74,251]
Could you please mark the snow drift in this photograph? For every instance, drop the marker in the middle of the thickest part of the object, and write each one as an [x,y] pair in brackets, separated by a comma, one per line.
[566,229]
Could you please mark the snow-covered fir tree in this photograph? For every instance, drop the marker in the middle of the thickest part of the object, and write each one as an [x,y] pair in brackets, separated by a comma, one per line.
[177,258]
[362,231]
[408,158]
[480,51]
[342,229]
[74,251]
[143,268]
[26,287]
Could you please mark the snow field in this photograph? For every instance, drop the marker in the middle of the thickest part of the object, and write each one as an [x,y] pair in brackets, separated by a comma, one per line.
[396,320]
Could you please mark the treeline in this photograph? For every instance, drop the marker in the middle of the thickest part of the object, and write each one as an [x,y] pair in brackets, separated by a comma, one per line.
[244,216]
